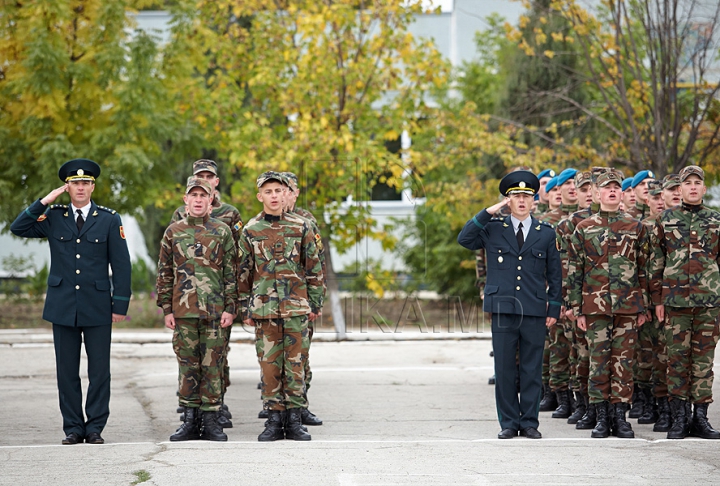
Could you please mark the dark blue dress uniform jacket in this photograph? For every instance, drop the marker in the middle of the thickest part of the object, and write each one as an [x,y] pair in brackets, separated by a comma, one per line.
[79,291]
[525,282]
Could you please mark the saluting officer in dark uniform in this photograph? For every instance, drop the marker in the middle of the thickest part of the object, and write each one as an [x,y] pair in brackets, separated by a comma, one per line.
[80,302]
[523,293]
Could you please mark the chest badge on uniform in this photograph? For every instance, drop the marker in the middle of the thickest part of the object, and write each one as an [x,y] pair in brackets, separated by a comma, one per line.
[122,232]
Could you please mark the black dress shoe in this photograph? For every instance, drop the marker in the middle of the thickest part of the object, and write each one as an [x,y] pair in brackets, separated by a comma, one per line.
[94,438]
[507,434]
[531,433]
[72,438]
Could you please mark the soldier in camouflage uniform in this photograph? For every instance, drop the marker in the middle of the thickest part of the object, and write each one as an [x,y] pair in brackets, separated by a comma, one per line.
[207,169]
[281,281]
[672,195]
[559,333]
[648,351]
[608,297]
[292,194]
[685,289]
[628,195]
[584,415]
[197,291]
[639,186]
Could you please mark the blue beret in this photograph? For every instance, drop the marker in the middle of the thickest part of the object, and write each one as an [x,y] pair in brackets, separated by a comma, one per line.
[641,176]
[626,183]
[551,184]
[546,173]
[565,176]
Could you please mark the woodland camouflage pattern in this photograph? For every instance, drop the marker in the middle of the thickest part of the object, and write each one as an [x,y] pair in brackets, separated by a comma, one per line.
[224,212]
[607,266]
[556,215]
[684,257]
[196,278]
[280,270]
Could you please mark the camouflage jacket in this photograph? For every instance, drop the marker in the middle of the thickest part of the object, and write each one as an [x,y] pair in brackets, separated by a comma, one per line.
[684,257]
[280,269]
[556,215]
[640,211]
[196,277]
[318,239]
[541,209]
[607,259]
[224,212]
[564,231]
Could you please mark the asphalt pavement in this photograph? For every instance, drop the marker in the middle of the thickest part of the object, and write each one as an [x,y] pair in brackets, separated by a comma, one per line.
[398,410]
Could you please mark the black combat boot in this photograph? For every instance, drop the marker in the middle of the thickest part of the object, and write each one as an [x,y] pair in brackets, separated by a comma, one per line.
[180,409]
[621,428]
[563,410]
[223,421]
[663,422]
[649,413]
[580,409]
[679,428]
[210,428]
[549,402]
[588,420]
[602,426]
[700,427]
[225,411]
[189,429]
[638,400]
[273,427]
[263,414]
[309,418]
[293,425]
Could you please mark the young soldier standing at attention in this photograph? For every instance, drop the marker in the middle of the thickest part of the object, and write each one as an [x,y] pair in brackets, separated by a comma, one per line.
[281,280]
[197,291]
[608,297]
[685,289]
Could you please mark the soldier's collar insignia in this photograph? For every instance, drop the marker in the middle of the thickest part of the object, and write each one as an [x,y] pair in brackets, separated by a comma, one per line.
[95,213]
[66,214]
[505,225]
[537,227]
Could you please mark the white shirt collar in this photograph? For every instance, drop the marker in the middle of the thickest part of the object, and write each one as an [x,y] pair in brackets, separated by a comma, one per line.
[85,210]
[525,222]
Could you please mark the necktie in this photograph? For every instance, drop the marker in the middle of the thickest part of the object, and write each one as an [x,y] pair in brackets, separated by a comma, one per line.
[520,237]
[79,221]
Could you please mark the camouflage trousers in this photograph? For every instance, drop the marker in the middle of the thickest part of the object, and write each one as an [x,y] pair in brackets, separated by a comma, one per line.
[651,358]
[226,367]
[611,343]
[546,360]
[198,345]
[691,334]
[579,361]
[559,357]
[282,349]
[308,371]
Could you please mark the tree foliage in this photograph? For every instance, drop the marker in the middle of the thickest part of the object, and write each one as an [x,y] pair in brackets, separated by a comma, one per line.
[73,83]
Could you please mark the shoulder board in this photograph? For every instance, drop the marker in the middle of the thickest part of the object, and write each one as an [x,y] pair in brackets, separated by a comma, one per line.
[544,223]
[58,206]
[497,218]
[111,211]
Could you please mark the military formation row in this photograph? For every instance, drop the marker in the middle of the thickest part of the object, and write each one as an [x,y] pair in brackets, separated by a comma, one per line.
[268,273]
[641,297]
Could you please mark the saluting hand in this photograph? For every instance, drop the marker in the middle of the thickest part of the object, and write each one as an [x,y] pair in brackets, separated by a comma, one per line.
[496,207]
[50,198]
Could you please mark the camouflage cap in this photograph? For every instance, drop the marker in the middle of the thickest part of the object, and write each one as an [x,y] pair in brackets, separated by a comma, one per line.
[582,178]
[198,182]
[609,176]
[204,165]
[670,181]
[655,187]
[271,175]
[691,170]
[292,180]
[596,171]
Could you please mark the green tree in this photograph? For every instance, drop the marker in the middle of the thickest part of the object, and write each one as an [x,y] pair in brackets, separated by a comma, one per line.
[76,81]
